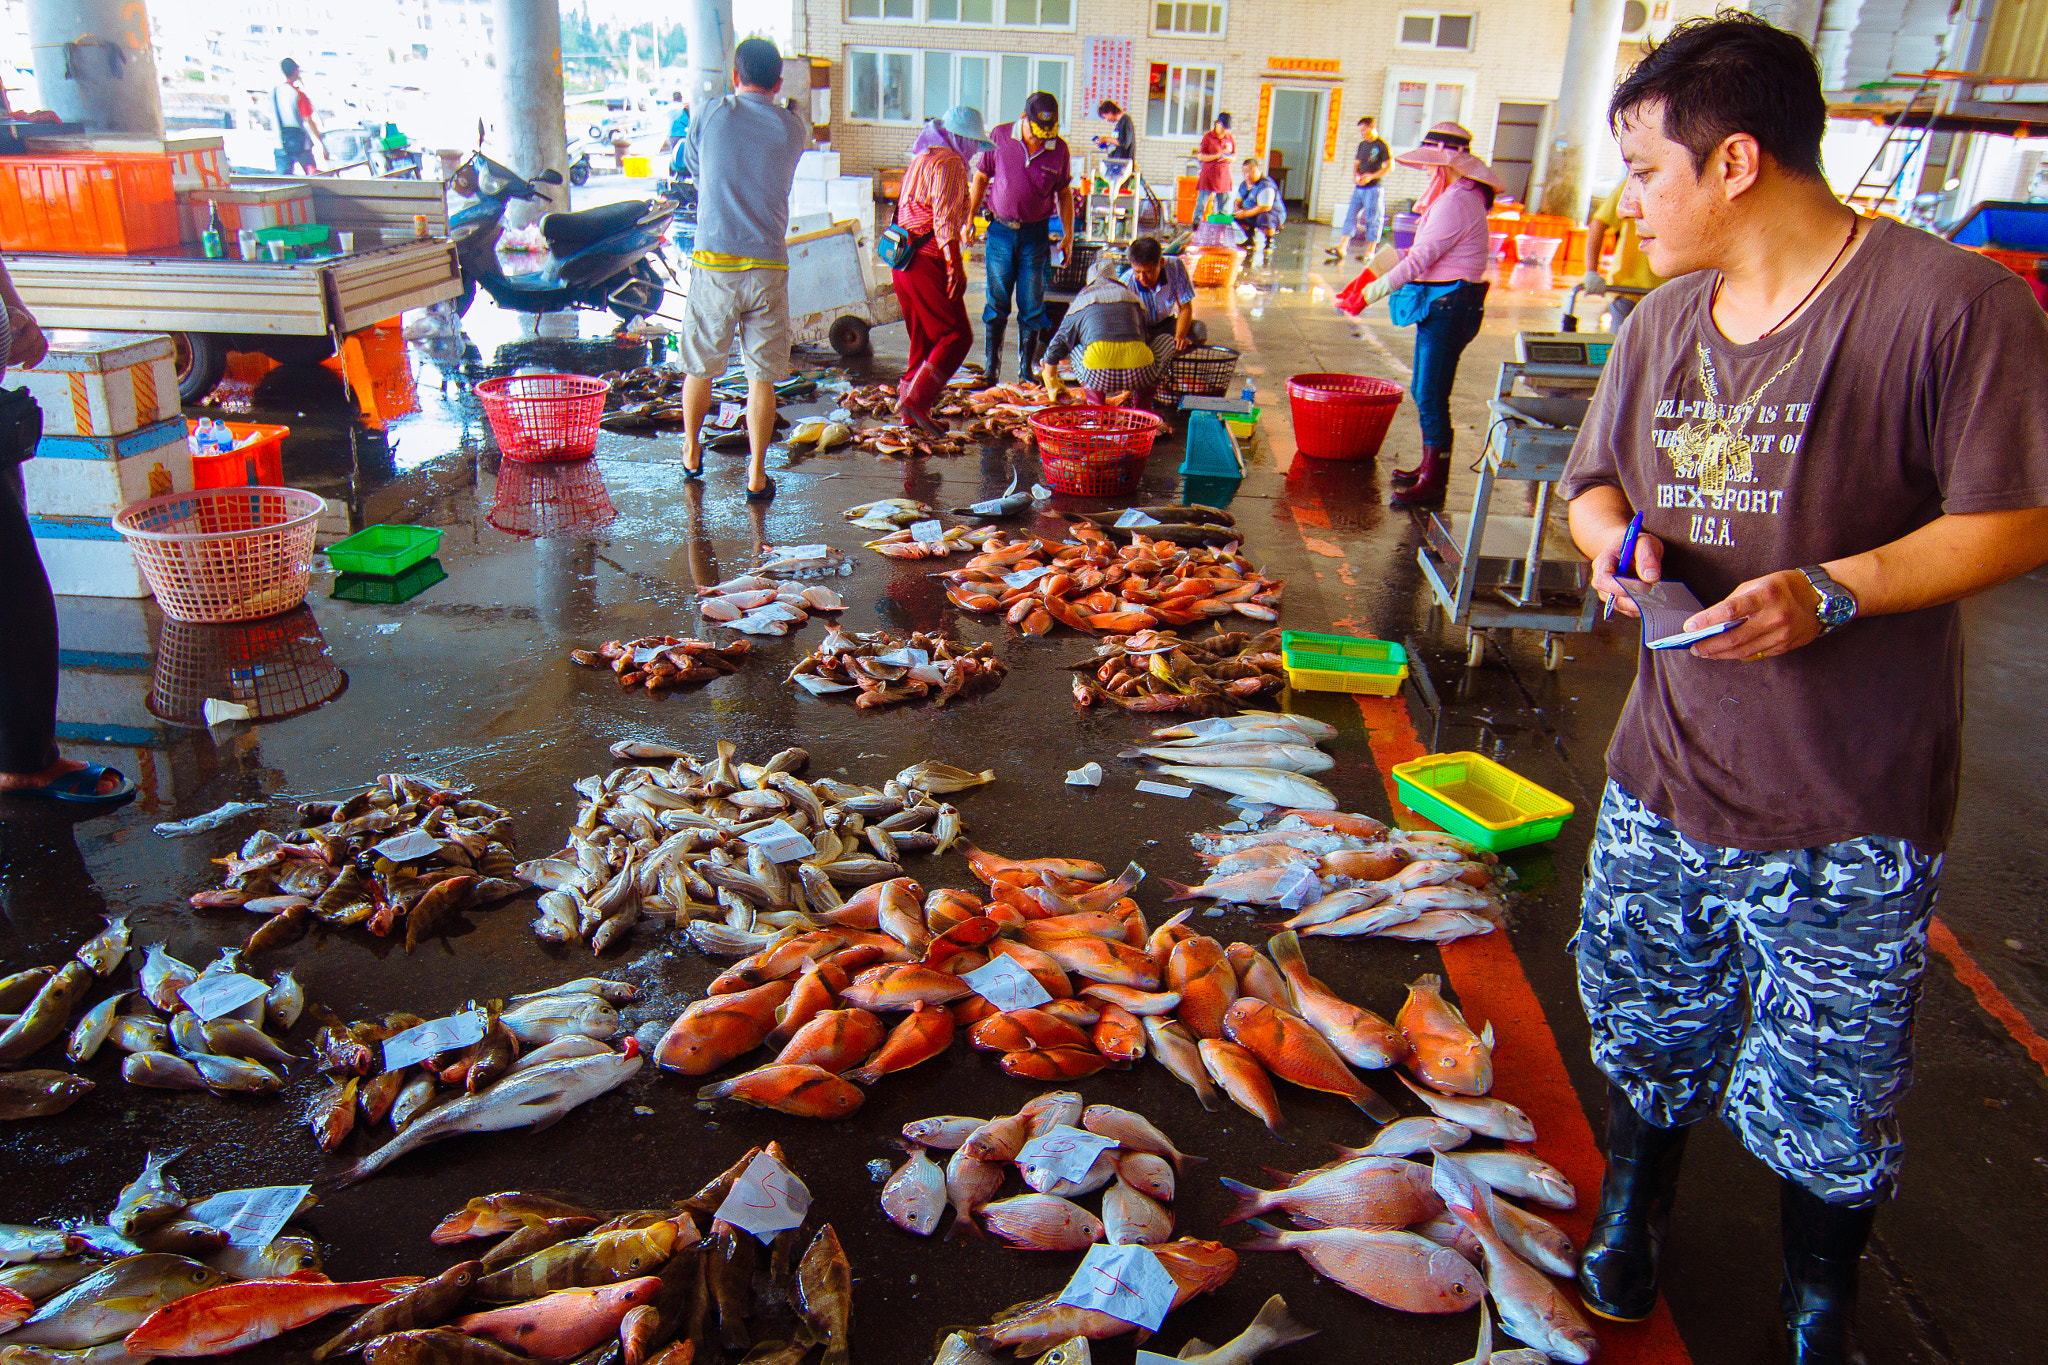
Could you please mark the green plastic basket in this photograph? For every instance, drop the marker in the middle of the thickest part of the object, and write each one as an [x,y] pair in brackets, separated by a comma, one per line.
[376,588]
[1343,663]
[1476,798]
[385,551]
[294,234]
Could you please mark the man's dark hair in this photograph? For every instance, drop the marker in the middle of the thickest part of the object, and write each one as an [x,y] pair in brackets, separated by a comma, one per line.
[1366,120]
[1145,251]
[289,67]
[1224,118]
[1726,74]
[1109,107]
[759,63]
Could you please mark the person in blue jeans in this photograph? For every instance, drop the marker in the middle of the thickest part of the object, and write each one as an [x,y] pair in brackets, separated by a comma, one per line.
[1024,176]
[1366,216]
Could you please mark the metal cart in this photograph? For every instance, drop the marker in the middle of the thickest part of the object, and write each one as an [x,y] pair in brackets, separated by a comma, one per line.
[1493,571]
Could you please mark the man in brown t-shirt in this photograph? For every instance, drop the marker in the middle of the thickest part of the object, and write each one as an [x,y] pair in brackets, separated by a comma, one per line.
[1821,428]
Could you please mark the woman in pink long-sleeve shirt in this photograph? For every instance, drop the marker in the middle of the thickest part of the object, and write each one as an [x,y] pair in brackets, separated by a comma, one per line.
[1441,286]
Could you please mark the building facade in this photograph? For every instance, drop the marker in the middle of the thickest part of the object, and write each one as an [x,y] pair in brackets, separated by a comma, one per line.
[1295,75]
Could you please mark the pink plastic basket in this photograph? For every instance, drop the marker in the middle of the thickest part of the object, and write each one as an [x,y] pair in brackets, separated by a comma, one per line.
[1341,416]
[216,555]
[542,418]
[1094,452]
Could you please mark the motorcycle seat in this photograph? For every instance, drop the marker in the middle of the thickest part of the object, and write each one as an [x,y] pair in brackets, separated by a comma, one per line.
[581,228]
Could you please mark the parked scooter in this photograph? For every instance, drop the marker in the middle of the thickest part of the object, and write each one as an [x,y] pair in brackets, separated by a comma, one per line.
[598,258]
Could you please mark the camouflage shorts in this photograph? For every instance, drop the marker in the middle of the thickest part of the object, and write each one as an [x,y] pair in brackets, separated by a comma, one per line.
[1779,985]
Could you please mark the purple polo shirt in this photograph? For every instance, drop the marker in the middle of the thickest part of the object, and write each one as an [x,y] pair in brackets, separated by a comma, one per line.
[1023,188]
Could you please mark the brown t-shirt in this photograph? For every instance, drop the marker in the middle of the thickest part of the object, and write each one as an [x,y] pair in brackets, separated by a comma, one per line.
[1912,387]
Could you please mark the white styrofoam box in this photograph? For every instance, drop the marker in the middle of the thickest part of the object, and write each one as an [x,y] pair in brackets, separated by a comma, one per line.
[86,557]
[103,383]
[96,476]
[801,223]
[818,166]
[847,191]
[807,196]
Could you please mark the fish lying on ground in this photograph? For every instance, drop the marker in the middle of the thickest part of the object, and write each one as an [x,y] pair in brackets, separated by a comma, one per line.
[1273,1328]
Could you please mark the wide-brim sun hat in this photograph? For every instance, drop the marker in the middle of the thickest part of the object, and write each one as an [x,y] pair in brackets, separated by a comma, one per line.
[964,120]
[1450,144]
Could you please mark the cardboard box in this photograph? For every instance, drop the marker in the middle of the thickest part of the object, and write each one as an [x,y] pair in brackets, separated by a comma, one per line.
[104,383]
[86,557]
[96,476]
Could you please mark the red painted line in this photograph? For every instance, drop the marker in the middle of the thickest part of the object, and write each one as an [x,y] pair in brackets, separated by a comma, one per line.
[1992,999]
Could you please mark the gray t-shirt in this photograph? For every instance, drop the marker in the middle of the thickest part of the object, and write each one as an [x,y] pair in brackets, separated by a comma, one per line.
[1904,392]
[743,150]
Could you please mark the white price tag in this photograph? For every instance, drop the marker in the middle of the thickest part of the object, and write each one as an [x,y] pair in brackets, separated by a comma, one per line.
[212,996]
[904,658]
[251,1218]
[795,551]
[1299,886]
[1065,1151]
[1126,1282]
[1024,578]
[409,847]
[781,843]
[928,532]
[435,1036]
[1133,517]
[1006,985]
[766,1199]
[1165,789]
[1215,725]
[729,414]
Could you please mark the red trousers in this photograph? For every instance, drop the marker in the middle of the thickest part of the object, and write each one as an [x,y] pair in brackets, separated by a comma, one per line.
[940,336]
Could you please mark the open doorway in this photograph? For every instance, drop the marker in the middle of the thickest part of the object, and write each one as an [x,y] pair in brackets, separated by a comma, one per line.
[1517,134]
[1294,143]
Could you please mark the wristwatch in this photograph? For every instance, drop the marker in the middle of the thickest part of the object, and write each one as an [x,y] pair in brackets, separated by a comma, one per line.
[1837,605]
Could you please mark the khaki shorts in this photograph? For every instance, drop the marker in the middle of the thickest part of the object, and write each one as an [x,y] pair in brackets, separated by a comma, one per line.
[753,302]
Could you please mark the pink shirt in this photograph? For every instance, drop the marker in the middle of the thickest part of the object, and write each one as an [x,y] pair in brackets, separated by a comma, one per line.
[1450,242]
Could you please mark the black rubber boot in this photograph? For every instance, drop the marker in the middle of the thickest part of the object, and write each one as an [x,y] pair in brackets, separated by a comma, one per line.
[1405,478]
[1432,479]
[1029,345]
[1823,1243]
[1618,1268]
[992,344]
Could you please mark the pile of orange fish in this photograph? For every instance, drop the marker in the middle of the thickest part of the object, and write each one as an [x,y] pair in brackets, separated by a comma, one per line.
[658,662]
[1099,587]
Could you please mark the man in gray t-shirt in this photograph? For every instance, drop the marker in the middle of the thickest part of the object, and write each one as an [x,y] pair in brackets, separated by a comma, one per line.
[743,150]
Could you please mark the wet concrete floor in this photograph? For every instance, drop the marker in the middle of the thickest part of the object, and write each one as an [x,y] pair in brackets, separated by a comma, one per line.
[468,683]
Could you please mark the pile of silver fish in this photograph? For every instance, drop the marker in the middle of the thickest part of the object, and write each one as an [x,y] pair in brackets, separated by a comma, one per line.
[564,1023]
[405,849]
[659,662]
[760,605]
[1261,756]
[640,1287]
[36,1006]
[1136,1173]
[886,669]
[1273,1327]
[1342,875]
[667,835]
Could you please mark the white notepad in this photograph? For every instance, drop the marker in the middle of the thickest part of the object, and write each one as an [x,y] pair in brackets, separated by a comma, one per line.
[1666,607]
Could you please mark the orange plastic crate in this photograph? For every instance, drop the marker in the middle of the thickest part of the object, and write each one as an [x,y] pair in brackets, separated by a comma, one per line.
[103,204]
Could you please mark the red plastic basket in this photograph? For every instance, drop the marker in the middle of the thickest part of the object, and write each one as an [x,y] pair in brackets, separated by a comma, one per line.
[552,502]
[1341,416]
[1094,452]
[219,555]
[544,418]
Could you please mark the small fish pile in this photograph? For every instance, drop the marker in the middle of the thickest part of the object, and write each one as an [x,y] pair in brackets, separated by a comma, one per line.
[646,384]
[801,562]
[905,544]
[404,852]
[1257,756]
[1410,1236]
[889,514]
[660,662]
[375,1080]
[820,434]
[1196,1267]
[1062,1151]
[1345,875]
[1273,1327]
[886,669]
[760,605]
[873,400]
[750,843]
[1157,671]
[36,1006]
[904,442]
[1189,524]
[1100,588]
[641,1287]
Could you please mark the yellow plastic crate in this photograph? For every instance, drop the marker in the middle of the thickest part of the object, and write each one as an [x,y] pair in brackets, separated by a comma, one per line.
[1476,798]
[1343,663]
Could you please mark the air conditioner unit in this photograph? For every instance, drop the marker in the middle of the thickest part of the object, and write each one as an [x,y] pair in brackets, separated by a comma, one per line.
[1635,21]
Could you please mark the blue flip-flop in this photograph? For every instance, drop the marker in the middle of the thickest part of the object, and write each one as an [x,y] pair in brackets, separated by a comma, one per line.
[80,787]
[762,494]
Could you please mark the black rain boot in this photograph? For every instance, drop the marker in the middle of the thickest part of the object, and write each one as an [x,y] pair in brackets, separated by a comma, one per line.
[1432,479]
[1823,1243]
[1029,345]
[1618,1268]
[1405,478]
[992,343]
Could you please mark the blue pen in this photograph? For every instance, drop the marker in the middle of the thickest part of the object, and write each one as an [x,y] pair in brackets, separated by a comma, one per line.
[1624,563]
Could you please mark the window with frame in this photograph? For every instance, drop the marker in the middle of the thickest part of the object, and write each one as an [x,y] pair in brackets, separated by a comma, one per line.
[1180,101]
[1444,32]
[906,86]
[882,85]
[1200,18]
[1418,103]
[988,13]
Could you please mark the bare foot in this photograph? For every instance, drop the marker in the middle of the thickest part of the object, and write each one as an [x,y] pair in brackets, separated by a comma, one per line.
[22,782]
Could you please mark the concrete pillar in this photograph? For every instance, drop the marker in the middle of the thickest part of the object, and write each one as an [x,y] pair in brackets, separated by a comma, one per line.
[111,86]
[711,43]
[1580,126]
[530,90]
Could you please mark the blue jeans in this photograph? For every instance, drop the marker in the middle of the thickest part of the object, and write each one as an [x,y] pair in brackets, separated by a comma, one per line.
[1210,201]
[1365,217]
[1255,227]
[1440,339]
[1017,259]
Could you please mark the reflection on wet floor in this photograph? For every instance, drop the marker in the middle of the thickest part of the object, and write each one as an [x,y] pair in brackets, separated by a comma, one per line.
[274,668]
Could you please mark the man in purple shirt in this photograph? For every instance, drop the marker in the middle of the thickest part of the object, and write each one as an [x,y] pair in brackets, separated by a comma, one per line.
[1024,175]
